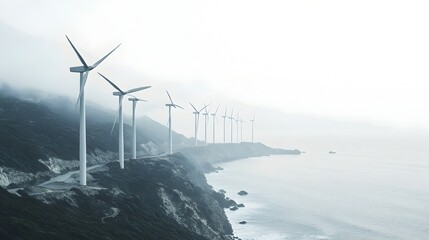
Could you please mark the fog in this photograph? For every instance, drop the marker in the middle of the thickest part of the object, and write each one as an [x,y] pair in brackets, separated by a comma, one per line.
[318,75]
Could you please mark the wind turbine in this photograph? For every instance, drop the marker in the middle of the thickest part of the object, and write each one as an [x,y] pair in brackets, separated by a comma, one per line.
[170,136]
[134,138]
[232,124]
[206,119]
[224,125]
[197,118]
[241,129]
[253,123]
[214,124]
[121,95]
[237,120]
[83,72]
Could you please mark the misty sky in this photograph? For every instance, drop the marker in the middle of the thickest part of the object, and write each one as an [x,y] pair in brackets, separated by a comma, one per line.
[363,61]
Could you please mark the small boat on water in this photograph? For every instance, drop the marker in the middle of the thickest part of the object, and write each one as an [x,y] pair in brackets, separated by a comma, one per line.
[332,152]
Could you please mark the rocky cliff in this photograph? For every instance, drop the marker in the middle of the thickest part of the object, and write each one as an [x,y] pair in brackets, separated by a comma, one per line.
[152,198]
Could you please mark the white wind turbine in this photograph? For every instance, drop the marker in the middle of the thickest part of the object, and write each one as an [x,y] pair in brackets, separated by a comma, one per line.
[206,119]
[241,129]
[134,137]
[83,71]
[197,119]
[253,123]
[170,136]
[214,124]
[232,124]
[224,125]
[119,113]
[237,120]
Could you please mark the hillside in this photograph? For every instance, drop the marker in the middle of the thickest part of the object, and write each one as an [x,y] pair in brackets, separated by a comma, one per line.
[41,135]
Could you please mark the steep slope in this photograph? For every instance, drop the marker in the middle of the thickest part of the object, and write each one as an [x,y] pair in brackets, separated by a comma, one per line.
[152,198]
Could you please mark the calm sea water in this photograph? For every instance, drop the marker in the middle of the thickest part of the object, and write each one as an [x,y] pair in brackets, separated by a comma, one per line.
[329,196]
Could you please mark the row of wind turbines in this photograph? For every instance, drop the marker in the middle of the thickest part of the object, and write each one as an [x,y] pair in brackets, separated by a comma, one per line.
[84,72]
[238,121]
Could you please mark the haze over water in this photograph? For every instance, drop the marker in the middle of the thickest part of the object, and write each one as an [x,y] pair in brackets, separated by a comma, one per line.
[348,195]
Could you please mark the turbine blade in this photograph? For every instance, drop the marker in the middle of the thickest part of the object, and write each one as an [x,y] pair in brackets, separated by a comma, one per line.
[169,97]
[114,122]
[111,83]
[85,77]
[217,109]
[205,107]
[137,89]
[102,59]
[117,114]
[175,105]
[77,53]
[226,108]
[194,108]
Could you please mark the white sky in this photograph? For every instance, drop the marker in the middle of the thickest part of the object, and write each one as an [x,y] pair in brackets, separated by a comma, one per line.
[363,61]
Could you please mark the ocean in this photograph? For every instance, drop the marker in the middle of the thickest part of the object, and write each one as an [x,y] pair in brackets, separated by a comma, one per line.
[328,196]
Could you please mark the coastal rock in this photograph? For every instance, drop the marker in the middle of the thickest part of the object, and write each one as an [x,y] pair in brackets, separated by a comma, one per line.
[240,205]
[242,193]
[234,208]
[222,191]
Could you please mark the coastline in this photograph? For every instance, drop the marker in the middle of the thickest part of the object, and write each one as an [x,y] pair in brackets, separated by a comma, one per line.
[211,159]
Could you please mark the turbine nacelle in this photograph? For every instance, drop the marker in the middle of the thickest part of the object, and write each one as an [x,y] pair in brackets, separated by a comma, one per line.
[81,69]
[134,99]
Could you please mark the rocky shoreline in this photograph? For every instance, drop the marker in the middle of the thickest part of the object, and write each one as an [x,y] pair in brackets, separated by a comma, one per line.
[205,156]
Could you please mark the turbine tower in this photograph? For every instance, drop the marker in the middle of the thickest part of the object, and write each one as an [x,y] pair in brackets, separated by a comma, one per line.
[83,72]
[253,123]
[121,95]
[170,136]
[237,120]
[197,119]
[224,125]
[206,119]
[214,124]
[241,129]
[232,124]
[134,137]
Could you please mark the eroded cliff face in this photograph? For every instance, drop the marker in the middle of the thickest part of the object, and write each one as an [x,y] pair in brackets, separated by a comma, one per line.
[149,194]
